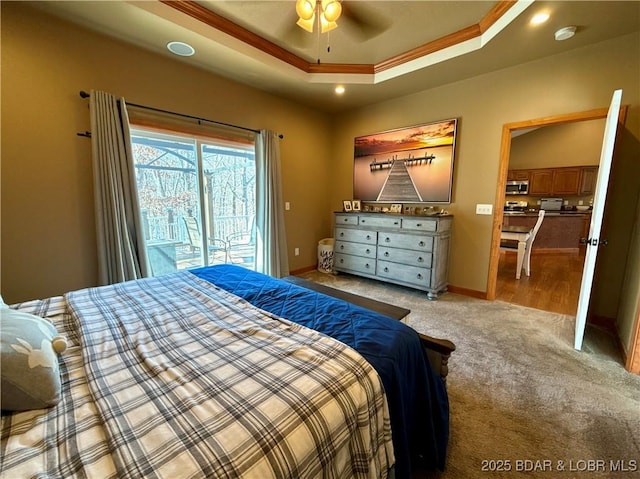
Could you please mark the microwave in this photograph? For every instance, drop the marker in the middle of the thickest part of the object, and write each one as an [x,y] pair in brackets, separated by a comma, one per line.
[517,187]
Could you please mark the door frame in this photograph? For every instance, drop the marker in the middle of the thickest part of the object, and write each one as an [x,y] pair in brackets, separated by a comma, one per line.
[503,167]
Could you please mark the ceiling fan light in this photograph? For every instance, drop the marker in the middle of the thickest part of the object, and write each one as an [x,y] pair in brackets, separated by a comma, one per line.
[327,26]
[306,24]
[331,10]
[305,9]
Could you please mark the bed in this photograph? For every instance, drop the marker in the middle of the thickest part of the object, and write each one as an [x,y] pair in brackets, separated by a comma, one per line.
[224,372]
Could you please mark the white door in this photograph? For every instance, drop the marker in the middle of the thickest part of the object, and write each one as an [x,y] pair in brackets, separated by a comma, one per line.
[593,240]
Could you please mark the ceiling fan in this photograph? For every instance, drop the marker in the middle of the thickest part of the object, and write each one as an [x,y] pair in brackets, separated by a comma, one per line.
[323,12]
[356,18]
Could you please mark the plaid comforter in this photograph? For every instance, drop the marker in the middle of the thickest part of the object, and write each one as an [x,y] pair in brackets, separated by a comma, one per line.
[171,377]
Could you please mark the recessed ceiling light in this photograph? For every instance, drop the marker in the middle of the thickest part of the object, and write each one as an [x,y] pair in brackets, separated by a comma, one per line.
[565,33]
[181,48]
[539,18]
[339,90]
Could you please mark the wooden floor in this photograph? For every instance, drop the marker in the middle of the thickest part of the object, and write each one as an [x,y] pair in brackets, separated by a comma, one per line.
[554,284]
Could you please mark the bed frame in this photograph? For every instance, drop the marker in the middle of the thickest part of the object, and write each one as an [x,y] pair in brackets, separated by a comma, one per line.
[437,350]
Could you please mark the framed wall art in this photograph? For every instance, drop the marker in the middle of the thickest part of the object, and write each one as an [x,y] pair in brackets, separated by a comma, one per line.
[410,165]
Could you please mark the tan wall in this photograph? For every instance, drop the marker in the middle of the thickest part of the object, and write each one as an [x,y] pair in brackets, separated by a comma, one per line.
[580,80]
[48,235]
[48,239]
[571,144]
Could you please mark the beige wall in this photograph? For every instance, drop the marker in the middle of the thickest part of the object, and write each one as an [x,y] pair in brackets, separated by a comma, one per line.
[557,85]
[48,239]
[571,144]
[580,80]
[48,235]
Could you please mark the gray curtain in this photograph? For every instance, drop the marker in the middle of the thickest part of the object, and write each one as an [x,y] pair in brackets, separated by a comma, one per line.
[271,240]
[121,252]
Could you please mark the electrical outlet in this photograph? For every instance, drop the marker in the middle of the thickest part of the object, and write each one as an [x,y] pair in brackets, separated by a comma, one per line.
[287,205]
[484,209]
[296,251]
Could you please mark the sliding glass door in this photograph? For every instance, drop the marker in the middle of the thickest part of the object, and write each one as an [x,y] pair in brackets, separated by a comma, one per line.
[197,200]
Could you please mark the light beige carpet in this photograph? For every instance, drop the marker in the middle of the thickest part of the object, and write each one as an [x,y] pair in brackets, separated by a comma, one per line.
[521,397]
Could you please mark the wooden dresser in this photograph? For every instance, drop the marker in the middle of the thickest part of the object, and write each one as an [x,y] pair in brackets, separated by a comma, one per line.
[407,250]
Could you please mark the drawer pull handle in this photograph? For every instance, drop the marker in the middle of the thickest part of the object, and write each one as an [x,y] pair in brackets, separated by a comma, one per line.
[419,276]
[420,259]
[386,253]
[368,251]
[345,219]
[395,223]
[418,225]
[366,265]
[368,237]
[387,240]
[421,243]
[341,260]
[341,246]
[341,235]
[386,270]
[362,221]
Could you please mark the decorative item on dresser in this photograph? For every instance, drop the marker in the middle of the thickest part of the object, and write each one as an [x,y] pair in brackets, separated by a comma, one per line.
[402,249]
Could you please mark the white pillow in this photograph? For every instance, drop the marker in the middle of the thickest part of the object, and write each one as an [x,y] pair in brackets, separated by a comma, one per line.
[28,359]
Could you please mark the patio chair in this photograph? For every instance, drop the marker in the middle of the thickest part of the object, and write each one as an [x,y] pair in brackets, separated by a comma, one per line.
[241,247]
[217,247]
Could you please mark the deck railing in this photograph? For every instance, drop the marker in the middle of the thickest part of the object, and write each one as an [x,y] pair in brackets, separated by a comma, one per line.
[172,228]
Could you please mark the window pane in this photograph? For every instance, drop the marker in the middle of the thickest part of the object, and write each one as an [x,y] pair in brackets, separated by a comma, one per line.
[230,185]
[168,191]
[171,171]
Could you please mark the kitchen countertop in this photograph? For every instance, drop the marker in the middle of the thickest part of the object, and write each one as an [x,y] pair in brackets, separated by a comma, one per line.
[547,213]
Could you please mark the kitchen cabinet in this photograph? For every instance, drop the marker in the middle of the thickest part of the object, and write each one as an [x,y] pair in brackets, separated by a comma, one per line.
[559,232]
[566,181]
[518,175]
[588,177]
[541,182]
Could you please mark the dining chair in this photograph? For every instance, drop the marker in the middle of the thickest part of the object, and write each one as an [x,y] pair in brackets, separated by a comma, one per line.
[511,246]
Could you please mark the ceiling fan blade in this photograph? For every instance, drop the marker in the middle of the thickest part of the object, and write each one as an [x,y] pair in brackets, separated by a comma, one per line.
[362,21]
[294,35]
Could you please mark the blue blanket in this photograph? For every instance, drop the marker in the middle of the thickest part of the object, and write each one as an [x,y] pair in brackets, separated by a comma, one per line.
[417,397]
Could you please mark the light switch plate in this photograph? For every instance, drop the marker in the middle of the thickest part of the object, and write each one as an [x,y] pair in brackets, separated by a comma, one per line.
[484,209]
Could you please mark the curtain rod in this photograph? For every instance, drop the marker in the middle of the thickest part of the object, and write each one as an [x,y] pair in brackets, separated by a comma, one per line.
[84,94]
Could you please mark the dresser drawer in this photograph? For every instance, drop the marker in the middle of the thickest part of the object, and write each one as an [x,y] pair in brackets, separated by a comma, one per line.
[407,274]
[381,221]
[357,249]
[405,256]
[356,236]
[419,224]
[354,263]
[346,220]
[406,241]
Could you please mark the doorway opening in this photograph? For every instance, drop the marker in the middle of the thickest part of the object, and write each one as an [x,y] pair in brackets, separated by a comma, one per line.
[544,291]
